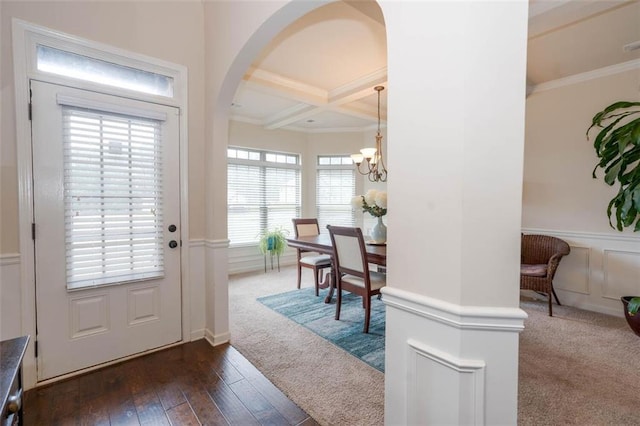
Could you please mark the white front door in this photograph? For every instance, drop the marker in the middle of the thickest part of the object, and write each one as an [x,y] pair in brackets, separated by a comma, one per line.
[107,218]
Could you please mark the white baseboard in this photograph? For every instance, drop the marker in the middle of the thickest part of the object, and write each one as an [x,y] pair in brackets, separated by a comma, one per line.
[197,335]
[217,340]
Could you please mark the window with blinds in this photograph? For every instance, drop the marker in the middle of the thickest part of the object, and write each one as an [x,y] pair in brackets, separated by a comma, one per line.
[335,187]
[112,197]
[263,190]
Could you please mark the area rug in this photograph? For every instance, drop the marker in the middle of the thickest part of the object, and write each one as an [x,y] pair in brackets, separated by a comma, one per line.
[304,308]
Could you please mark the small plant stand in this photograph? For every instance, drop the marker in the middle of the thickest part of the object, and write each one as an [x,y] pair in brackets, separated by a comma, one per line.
[272,244]
[271,255]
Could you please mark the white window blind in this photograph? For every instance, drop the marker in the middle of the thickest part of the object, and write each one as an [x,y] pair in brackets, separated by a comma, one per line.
[263,193]
[335,187]
[112,197]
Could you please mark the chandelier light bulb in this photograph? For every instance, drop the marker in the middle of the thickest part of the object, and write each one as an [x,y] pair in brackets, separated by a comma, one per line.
[357,158]
[368,153]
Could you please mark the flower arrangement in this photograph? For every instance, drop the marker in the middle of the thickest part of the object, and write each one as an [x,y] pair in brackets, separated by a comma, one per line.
[373,202]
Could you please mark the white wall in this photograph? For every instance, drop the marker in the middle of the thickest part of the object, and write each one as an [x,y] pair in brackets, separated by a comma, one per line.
[561,198]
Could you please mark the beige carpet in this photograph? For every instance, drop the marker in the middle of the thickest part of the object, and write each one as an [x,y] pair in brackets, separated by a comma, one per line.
[575,368]
[332,386]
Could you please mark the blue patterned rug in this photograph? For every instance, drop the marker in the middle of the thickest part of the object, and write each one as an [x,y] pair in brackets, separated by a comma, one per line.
[303,307]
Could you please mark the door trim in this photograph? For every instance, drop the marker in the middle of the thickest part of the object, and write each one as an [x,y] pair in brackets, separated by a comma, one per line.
[24,37]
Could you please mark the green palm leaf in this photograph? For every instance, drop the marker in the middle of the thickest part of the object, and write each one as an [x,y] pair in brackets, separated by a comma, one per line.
[617,146]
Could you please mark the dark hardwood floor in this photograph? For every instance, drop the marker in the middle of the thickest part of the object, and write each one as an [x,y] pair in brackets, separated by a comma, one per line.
[190,384]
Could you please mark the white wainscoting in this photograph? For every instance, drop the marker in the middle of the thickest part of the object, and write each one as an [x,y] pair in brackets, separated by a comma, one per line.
[441,361]
[600,269]
[216,292]
[197,289]
[249,259]
[10,296]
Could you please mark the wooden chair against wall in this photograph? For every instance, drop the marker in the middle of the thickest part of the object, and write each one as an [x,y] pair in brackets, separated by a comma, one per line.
[352,269]
[317,262]
[540,257]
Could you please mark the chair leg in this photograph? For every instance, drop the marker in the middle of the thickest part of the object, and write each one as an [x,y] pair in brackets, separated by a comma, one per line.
[316,273]
[556,296]
[299,274]
[338,301]
[550,308]
[367,312]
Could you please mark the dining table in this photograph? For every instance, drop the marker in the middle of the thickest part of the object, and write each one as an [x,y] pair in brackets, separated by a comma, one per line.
[376,255]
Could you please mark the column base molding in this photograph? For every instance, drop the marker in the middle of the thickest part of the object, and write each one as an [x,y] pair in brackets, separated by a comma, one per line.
[439,357]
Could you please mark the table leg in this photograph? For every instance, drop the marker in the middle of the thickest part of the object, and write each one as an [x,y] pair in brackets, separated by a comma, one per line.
[329,281]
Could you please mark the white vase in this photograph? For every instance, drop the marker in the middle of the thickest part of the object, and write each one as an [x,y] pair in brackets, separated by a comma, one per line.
[379,232]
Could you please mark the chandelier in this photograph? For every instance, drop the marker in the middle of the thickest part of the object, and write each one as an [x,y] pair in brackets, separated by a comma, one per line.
[371,158]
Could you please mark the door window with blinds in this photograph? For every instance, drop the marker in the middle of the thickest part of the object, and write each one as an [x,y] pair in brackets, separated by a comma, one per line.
[335,187]
[112,197]
[263,190]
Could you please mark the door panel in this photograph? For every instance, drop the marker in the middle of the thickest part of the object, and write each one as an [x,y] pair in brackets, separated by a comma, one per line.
[96,214]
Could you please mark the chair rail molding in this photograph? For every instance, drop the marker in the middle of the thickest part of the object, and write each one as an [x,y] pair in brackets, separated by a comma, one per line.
[215,244]
[584,235]
[486,318]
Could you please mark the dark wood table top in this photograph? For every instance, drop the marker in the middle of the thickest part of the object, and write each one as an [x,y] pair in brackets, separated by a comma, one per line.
[11,353]
[376,254]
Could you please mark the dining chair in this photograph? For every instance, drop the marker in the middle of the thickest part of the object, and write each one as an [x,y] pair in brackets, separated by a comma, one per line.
[308,228]
[352,269]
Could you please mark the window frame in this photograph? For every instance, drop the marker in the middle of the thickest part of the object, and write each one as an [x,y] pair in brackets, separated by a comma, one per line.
[345,164]
[30,36]
[263,163]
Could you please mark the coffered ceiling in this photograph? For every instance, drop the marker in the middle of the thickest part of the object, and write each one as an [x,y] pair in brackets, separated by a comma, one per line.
[318,74]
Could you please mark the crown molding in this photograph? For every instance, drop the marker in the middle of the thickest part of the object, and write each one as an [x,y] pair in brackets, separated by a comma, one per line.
[551,15]
[587,76]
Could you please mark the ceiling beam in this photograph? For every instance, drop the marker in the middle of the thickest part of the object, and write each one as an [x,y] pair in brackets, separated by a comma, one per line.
[334,100]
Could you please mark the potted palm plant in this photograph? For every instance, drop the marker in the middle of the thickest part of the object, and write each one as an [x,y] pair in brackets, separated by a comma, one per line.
[631,305]
[617,146]
[273,242]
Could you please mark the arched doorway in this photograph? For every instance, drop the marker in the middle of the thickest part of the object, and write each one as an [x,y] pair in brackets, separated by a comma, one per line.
[306,353]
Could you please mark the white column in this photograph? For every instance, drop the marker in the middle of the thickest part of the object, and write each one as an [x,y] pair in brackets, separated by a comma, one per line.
[455,144]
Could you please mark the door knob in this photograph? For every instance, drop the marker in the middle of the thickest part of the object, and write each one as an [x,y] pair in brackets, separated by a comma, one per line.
[172,228]
[173,244]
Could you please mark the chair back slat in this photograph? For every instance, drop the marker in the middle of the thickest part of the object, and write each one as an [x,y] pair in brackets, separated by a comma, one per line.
[306,227]
[348,252]
[307,230]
